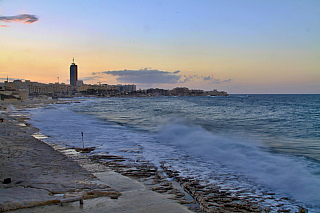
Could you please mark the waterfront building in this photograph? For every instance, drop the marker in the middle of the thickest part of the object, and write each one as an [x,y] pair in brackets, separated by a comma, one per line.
[196,92]
[216,93]
[99,90]
[127,88]
[79,83]
[157,92]
[180,91]
[73,73]
[19,90]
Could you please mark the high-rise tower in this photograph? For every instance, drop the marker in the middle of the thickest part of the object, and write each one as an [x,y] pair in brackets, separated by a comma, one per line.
[73,73]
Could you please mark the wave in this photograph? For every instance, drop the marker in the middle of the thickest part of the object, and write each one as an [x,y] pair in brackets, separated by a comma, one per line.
[288,175]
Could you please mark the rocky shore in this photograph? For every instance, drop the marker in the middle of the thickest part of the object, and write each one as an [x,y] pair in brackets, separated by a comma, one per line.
[187,191]
[197,195]
[50,178]
[42,174]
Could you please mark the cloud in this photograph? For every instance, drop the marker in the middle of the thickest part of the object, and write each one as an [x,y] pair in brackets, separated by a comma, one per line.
[1,25]
[145,76]
[226,81]
[90,78]
[11,79]
[22,18]
[213,80]
[153,77]
[206,78]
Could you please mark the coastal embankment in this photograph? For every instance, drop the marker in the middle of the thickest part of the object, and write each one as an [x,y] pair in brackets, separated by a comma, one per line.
[49,178]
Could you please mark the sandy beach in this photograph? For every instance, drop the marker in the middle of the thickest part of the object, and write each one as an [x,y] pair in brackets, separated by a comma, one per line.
[40,177]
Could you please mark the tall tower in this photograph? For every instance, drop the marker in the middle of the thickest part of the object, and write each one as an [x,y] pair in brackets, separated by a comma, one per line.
[73,73]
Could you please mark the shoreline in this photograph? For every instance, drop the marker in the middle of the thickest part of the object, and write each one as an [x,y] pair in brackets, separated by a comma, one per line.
[43,174]
[161,183]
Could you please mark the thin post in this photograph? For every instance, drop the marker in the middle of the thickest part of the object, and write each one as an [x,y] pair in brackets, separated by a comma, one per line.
[82,139]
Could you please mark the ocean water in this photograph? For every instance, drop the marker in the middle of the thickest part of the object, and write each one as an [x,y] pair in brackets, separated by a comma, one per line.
[256,144]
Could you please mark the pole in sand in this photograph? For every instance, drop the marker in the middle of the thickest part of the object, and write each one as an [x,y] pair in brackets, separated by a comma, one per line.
[82,139]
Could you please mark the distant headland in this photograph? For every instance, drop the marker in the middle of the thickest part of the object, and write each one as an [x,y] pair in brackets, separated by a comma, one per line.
[23,90]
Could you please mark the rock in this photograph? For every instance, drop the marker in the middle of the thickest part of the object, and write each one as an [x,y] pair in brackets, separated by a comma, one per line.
[7,181]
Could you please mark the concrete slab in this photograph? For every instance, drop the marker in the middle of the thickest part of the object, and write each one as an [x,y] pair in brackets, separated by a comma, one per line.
[38,172]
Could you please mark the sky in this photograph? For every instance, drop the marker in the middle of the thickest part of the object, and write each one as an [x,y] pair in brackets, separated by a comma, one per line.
[238,46]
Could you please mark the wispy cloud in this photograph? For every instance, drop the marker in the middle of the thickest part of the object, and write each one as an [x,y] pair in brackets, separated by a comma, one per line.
[213,80]
[145,76]
[22,18]
[10,79]
[207,78]
[225,81]
[90,78]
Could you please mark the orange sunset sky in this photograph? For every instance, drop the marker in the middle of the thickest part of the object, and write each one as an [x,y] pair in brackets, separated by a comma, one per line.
[246,46]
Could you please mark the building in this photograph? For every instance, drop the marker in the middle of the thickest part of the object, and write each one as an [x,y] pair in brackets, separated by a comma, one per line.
[99,90]
[157,92]
[180,91]
[14,91]
[127,88]
[73,73]
[196,92]
[216,93]
[10,86]
[79,83]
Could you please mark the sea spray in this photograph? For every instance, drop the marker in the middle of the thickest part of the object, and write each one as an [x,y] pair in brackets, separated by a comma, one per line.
[286,174]
[255,145]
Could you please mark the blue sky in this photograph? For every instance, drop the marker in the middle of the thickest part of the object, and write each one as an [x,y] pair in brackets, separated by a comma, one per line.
[245,46]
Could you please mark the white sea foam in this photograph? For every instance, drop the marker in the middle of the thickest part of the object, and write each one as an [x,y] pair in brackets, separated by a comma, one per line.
[288,175]
[10,108]
[230,162]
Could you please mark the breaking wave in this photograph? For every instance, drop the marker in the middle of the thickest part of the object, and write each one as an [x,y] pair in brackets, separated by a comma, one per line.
[288,175]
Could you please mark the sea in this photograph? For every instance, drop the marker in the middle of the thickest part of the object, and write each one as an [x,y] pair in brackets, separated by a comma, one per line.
[265,146]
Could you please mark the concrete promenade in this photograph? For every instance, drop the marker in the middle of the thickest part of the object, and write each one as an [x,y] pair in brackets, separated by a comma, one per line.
[35,177]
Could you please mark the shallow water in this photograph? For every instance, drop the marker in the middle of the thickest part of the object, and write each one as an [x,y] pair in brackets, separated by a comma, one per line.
[256,144]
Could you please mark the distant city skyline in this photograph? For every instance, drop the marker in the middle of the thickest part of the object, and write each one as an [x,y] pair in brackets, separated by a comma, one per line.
[246,46]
